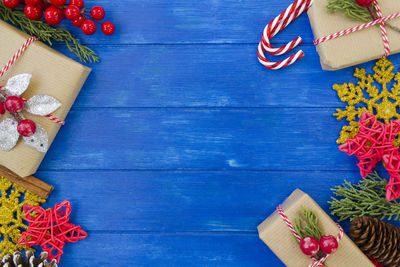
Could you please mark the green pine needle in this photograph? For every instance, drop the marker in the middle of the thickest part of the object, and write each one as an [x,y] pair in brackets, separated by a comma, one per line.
[47,33]
[365,198]
[307,224]
[350,8]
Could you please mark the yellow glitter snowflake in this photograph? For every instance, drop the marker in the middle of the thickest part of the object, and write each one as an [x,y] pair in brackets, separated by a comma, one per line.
[365,96]
[12,200]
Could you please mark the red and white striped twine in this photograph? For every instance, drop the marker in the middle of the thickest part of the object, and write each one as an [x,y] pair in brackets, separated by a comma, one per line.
[291,13]
[297,236]
[14,58]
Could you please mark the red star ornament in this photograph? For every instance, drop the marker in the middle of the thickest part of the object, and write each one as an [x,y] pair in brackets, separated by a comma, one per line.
[50,229]
[374,143]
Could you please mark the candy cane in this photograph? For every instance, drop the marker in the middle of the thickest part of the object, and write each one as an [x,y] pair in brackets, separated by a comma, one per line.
[297,8]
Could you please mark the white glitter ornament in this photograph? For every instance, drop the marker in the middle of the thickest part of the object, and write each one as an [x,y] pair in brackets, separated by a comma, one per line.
[38,140]
[41,105]
[8,134]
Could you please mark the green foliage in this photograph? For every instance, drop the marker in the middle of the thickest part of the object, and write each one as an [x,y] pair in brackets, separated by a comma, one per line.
[350,8]
[47,33]
[307,224]
[365,198]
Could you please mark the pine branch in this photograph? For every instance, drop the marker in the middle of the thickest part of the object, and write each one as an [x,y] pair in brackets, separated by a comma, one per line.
[365,198]
[307,224]
[350,8]
[47,33]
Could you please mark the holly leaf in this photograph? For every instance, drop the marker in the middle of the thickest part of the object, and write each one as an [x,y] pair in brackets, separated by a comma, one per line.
[8,134]
[39,140]
[18,84]
[42,105]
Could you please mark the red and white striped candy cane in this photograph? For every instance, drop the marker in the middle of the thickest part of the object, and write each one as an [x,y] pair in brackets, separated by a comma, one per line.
[297,236]
[297,8]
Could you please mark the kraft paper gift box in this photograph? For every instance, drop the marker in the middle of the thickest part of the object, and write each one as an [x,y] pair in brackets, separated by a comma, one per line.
[52,74]
[354,48]
[276,234]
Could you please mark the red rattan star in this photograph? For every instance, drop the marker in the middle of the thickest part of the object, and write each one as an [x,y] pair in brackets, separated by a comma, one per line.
[374,143]
[50,229]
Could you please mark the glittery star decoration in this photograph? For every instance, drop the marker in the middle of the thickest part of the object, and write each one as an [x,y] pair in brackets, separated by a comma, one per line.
[40,105]
[12,200]
[372,94]
[374,143]
[50,229]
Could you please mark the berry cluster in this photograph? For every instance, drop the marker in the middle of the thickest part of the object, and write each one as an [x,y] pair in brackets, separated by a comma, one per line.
[310,246]
[14,105]
[54,11]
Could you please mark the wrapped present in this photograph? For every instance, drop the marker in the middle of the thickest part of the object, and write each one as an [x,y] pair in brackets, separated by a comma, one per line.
[277,235]
[51,74]
[357,47]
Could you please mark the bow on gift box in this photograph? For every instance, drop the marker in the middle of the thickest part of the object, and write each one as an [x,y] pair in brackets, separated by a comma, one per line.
[15,123]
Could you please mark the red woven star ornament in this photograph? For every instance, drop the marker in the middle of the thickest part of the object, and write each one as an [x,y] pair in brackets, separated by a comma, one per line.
[50,229]
[374,143]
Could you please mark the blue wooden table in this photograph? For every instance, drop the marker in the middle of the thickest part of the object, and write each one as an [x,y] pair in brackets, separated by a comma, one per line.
[181,143]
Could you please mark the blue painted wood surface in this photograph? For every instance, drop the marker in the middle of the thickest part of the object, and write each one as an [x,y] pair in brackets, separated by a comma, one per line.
[181,143]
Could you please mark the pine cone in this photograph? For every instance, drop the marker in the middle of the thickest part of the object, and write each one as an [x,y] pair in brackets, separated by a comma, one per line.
[17,260]
[377,239]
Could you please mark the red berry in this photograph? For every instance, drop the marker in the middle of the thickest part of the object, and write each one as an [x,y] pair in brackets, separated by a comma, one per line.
[88,27]
[78,22]
[309,245]
[364,2]
[58,2]
[97,13]
[72,12]
[26,128]
[11,3]
[328,244]
[53,15]
[33,2]
[108,28]
[79,3]
[2,109]
[14,104]
[33,12]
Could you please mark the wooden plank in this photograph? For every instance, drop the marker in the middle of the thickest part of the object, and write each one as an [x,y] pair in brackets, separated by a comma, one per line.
[208,76]
[200,139]
[169,249]
[180,21]
[183,201]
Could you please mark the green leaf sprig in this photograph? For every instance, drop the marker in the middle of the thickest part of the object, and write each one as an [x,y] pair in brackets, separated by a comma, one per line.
[365,198]
[350,8]
[47,33]
[307,224]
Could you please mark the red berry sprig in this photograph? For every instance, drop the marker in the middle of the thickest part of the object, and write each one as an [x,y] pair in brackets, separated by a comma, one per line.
[310,246]
[364,3]
[54,11]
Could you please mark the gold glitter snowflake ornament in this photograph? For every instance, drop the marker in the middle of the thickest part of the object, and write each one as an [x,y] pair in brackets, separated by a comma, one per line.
[365,96]
[12,200]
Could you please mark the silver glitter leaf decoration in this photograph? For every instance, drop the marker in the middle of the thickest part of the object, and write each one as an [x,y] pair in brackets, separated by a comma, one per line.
[17,84]
[42,105]
[39,140]
[8,134]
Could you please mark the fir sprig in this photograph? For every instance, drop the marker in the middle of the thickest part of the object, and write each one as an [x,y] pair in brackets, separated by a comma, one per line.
[365,198]
[47,33]
[307,224]
[350,8]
